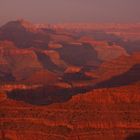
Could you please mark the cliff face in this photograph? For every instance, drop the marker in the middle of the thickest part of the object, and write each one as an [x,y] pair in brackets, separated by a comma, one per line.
[99,114]
[17,62]
[105,50]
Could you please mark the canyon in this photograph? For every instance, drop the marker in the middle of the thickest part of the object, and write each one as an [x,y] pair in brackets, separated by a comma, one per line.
[69,81]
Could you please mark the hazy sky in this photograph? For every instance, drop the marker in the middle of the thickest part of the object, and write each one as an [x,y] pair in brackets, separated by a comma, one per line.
[52,11]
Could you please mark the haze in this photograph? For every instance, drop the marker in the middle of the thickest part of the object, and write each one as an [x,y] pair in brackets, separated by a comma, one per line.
[58,11]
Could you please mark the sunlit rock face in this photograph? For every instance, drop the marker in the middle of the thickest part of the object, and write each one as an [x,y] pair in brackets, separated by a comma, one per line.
[105,50]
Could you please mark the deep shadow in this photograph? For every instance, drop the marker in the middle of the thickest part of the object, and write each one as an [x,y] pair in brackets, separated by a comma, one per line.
[131,46]
[46,62]
[52,94]
[135,136]
[6,77]
[46,95]
[77,76]
[129,77]
[79,55]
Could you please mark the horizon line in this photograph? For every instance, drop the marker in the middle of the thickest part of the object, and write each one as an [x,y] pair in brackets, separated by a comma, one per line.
[66,22]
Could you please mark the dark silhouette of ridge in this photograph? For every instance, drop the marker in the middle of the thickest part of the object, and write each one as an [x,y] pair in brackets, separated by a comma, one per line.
[129,77]
[23,34]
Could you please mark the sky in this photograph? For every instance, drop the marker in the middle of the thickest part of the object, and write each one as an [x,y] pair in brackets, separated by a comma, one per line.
[63,11]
